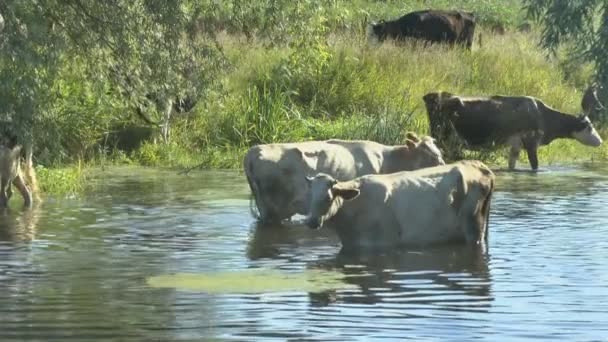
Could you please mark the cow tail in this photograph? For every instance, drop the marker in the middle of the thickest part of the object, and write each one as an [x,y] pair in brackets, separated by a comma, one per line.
[486,208]
[29,173]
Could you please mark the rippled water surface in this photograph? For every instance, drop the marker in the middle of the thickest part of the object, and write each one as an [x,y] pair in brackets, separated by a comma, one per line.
[78,269]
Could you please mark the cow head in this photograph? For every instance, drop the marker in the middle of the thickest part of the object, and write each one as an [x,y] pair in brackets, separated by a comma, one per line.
[441,101]
[327,197]
[378,30]
[585,133]
[418,152]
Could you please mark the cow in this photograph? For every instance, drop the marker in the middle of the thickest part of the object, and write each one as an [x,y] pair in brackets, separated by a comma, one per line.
[590,103]
[11,173]
[435,205]
[434,26]
[276,172]
[491,122]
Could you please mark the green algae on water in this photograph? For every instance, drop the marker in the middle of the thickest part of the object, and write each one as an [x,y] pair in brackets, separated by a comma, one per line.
[250,281]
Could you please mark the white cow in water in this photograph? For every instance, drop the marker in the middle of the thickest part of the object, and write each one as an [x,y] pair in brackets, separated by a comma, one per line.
[448,203]
[277,172]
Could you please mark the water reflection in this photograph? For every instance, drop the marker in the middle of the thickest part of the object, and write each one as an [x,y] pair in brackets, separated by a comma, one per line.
[76,269]
[19,225]
[282,240]
[444,277]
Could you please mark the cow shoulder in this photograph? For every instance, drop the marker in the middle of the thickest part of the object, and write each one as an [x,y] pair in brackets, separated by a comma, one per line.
[450,103]
[297,159]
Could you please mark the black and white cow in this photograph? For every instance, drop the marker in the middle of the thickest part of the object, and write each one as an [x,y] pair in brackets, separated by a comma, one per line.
[519,121]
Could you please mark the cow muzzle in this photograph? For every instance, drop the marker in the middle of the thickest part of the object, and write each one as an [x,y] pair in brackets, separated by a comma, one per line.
[589,137]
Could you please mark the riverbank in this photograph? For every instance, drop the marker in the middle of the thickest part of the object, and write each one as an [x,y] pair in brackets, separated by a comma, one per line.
[356,90]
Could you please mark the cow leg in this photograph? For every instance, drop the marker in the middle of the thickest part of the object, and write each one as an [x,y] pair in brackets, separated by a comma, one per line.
[24,190]
[266,215]
[531,146]
[516,144]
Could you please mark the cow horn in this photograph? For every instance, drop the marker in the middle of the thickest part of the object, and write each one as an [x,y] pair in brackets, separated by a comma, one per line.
[309,179]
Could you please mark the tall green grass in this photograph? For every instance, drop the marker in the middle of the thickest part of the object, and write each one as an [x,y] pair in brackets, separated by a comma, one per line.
[316,88]
[363,91]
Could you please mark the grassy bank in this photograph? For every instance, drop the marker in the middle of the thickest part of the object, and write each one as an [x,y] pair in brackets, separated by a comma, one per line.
[360,92]
[349,89]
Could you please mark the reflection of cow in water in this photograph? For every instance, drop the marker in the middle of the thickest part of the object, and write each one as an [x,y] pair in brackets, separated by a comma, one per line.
[435,26]
[490,122]
[21,226]
[412,277]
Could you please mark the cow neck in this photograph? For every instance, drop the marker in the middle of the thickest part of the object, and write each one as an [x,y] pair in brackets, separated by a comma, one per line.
[393,157]
[557,125]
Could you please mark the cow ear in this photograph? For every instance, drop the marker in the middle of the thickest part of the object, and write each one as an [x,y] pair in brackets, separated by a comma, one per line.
[412,136]
[346,193]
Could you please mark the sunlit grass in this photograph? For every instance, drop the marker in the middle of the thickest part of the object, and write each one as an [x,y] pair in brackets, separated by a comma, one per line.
[365,91]
[362,91]
[62,181]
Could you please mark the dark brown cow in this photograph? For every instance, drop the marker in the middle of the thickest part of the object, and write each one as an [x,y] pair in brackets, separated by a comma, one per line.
[591,104]
[518,121]
[434,26]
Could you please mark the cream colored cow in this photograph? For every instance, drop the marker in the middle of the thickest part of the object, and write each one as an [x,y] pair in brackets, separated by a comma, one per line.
[447,203]
[277,172]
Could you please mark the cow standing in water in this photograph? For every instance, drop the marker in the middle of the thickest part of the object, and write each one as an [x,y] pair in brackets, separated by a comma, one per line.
[434,26]
[11,173]
[518,121]
[14,170]
[277,173]
[441,204]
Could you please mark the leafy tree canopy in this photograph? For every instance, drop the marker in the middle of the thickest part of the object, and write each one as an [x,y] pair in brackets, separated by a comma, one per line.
[582,23]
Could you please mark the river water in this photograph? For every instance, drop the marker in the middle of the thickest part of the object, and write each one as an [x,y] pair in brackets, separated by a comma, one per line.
[81,268]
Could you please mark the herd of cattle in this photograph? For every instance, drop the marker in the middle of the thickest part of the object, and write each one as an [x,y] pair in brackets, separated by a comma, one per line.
[376,195]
